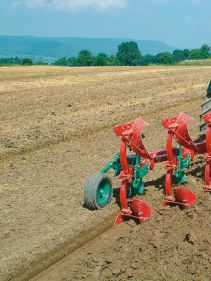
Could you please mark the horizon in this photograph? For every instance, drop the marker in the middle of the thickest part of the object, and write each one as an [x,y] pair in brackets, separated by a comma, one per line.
[85,37]
[181,25]
[101,38]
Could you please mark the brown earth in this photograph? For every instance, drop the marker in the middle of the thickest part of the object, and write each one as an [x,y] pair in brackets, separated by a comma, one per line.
[56,129]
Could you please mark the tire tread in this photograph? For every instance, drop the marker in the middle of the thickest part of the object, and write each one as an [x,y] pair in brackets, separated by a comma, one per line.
[90,191]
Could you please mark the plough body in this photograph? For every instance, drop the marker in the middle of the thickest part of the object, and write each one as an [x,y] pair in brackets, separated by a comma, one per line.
[133,162]
[132,169]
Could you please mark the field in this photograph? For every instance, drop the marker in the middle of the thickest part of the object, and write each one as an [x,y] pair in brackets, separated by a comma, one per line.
[56,129]
[204,62]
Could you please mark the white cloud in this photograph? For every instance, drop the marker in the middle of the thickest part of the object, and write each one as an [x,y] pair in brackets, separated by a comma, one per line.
[71,4]
[29,4]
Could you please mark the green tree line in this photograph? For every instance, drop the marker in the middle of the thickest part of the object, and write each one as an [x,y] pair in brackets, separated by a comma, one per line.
[16,61]
[128,54]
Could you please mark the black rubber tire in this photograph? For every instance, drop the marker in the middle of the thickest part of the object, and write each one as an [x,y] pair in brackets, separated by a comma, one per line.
[90,191]
[205,108]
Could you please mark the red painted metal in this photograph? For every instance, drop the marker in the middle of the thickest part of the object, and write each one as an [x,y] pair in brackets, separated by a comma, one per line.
[168,186]
[140,212]
[123,197]
[201,146]
[185,196]
[126,169]
[136,209]
[177,128]
[141,209]
[182,135]
[119,219]
[131,136]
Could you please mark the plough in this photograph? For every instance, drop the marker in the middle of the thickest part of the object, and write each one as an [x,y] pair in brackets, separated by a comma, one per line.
[131,168]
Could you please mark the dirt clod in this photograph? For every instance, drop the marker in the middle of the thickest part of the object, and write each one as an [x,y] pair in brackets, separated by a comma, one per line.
[109,260]
[116,271]
[190,238]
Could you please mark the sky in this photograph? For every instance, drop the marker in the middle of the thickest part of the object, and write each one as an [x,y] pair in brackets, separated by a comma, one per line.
[180,23]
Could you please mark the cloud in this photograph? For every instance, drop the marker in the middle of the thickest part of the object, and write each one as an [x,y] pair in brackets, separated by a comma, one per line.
[71,4]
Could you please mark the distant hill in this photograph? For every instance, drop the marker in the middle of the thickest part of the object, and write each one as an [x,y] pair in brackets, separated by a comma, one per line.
[55,47]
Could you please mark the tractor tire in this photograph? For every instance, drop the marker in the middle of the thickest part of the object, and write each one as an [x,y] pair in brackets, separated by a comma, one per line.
[97,191]
[205,108]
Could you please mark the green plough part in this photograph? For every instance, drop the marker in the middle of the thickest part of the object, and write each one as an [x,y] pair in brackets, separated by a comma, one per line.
[115,165]
[139,174]
[137,185]
[179,174]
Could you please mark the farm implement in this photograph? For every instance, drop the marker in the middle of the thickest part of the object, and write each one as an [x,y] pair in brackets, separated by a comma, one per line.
[133,162]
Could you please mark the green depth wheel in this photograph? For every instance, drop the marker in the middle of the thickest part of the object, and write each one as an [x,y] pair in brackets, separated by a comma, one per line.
[97,191]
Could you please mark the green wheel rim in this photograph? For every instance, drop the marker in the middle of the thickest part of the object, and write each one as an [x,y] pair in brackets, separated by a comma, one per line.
[103,193]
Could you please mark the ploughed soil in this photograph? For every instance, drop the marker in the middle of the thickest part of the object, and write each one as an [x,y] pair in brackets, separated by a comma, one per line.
[56,129]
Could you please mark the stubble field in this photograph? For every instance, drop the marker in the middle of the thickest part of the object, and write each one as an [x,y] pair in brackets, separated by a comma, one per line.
[56,129]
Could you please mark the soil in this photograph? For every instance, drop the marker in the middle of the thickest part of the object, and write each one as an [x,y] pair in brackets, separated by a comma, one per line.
[56,129]
[173,245]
